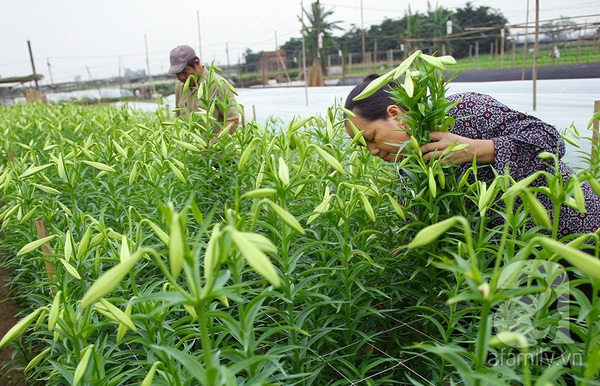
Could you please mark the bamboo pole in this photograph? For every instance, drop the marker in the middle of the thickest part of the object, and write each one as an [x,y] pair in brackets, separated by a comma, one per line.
[277,57]
[152,87]
[598,48]
[578,44]
[503,41]
[525,43]
[37,85]
[40,225]
[536,49]
[363,35]
[285,70]
[514,50]
[305,76]
[199,34]
[595,129]
[477,54]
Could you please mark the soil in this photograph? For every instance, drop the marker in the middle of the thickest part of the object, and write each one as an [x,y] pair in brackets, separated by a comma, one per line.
[8,311]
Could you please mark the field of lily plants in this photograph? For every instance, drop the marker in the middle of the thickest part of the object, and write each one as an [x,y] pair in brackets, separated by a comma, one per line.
[143,252]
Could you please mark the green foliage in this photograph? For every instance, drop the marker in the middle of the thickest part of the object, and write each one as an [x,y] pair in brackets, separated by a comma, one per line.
[278,255]
[428,27]
[476,17]
[166,245]
[522,310]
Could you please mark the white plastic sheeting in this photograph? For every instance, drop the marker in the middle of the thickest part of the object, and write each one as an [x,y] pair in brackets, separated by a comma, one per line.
[562,103]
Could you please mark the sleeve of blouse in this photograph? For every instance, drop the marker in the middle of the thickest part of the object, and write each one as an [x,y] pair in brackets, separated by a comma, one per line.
[518,137]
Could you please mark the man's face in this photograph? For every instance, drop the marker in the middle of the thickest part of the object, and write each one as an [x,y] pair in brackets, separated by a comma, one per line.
[189,71]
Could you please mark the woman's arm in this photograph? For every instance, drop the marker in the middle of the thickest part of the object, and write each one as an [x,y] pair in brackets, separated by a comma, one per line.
[482,150]
[518,138]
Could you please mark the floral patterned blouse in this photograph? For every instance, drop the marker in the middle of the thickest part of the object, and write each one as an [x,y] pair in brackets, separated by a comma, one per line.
[518,139]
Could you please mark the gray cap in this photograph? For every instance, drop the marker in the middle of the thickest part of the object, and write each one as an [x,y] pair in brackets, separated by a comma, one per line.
[179,57]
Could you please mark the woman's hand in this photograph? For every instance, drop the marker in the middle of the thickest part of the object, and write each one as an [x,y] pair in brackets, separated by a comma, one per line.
[441,140]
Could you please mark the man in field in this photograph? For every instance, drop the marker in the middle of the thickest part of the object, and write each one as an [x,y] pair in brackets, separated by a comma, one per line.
[216,93]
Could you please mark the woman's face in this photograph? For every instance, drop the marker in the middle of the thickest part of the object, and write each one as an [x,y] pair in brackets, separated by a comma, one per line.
[384,137]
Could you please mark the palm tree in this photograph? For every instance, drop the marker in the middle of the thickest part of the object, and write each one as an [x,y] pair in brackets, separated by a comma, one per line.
[413,22]
[435,27]
[318,33]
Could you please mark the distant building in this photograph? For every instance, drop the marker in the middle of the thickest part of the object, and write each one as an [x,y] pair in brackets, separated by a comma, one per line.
[274,63]
[135,76]
[7,94]
[271,61]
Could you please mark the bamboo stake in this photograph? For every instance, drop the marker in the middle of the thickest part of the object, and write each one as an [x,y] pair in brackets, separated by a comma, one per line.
[595,129]
[40,225]
[525,43]
[37,85]
[536,49]
[285,70]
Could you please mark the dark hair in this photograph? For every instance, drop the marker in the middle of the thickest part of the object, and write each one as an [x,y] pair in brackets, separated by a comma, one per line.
[192,62]
[375,106]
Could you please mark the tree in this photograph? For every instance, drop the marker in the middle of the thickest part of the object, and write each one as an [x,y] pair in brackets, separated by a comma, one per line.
[387,34]
[424,31]
[293,52]
[414,31]
[351,39]
[482,17]
[434,26]
[560,30]
[252,61]
[319,34]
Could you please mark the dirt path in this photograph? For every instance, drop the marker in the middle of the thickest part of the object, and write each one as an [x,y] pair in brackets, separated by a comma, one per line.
[8,310]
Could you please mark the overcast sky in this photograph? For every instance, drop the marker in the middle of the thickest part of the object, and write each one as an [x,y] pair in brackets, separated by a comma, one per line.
[94,39]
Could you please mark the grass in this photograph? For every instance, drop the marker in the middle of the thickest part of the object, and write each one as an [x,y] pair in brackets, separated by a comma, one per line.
[571,53]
